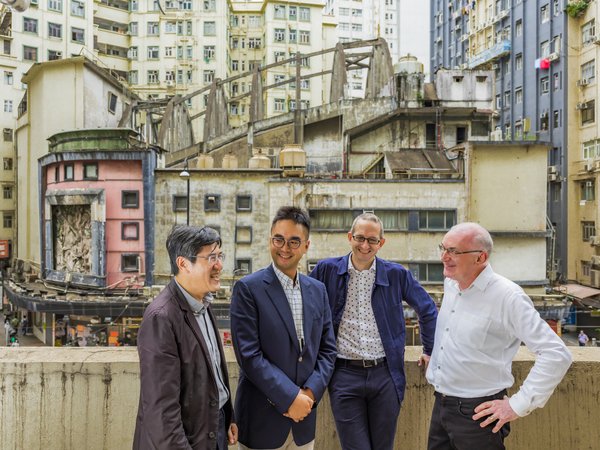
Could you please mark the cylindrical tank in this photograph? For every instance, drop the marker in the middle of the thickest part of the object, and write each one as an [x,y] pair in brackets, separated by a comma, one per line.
[230,161]
[292,159]
[408,64]
[205,161]
[259,161]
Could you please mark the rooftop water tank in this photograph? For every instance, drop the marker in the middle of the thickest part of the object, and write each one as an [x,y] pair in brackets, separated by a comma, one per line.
[292,159]
[230,161]
[408,64]
[259,161]
[205,162]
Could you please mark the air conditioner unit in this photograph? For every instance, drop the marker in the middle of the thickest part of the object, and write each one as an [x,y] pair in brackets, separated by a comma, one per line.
[496,135]
[170,83]
[582,82]
[495,66]
[595,260]
[553,56]
[588,167]
[544,115]
[552,169]
[595,277]
[580,106]
[552,177]
[595,40]
[597,164]
[595,241]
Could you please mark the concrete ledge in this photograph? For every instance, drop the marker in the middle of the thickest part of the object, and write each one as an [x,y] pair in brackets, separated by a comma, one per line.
[87,398]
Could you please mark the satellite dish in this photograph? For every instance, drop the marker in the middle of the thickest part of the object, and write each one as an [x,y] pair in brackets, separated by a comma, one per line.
[17,5]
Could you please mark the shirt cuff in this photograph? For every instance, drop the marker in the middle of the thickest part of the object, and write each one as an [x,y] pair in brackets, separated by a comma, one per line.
[520,405]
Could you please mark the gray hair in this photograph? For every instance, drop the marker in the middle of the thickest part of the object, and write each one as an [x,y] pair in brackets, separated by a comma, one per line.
[369,217]
[477,233]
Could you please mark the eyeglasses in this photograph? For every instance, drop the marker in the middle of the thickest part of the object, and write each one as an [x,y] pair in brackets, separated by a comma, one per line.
[361,239]
[212,258]
[292,243]
[453,252]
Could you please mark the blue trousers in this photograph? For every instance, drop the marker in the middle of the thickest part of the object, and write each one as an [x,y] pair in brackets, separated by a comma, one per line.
[365,407]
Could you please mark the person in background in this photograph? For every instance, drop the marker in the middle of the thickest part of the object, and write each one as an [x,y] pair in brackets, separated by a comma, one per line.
[583,338]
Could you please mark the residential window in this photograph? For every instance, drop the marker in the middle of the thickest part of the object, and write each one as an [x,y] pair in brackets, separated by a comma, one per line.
[55,5]
[8,106]
[130,199]
[153,77]
[170,27]
[169,52]
[588,31]
[210,29]
[90,171]
[132,53]
[208,76]
[54,30]
[243,266]
[556,7]
[545,13]
[279,105]
[133,28]
[7,134]
[53,55]
[209,52]
[544,85]
[436,220]
[544,121]
[69,172]
[586,266]
[333,220]
[344,11]
[588,190]
[153,52]
[518,96]
[78,35]
[588,70]
[56,174]
[292,12]
[7,220]
[507,99]
[7,192]
[427,272]
[243,235]
[133,77]
[180,203]
[130,231]
[588,114]
[210,5]
[6,47]
[556,118]
[304,37]
[133,5]
[519,27]
[293,36]
[304,14]
[357,12]
[394,219]
[556,81]
[279,11]
[235,65]
[588,229]
[591,149]
[212,202]
[186,5]
[30,25]
[8,77]
[130,262]
[153,29]
[255,21]
[243,203]
[519,61]
[279,35]
[77,8]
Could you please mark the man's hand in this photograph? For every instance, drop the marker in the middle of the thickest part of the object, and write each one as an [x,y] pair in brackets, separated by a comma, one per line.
[497,410]
[423,361]
[309,392]
[300,407]
[232,434]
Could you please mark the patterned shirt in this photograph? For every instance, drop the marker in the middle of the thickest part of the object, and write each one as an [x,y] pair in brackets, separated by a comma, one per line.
[294,298]
[358,335]
[208,333]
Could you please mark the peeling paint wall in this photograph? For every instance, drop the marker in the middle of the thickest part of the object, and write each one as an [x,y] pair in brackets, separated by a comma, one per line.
[87,398]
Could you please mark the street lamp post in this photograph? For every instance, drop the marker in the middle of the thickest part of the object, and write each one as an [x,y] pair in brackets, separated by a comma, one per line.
[185,174]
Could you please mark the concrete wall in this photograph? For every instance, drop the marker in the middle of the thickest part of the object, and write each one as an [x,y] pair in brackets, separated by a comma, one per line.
[87,398]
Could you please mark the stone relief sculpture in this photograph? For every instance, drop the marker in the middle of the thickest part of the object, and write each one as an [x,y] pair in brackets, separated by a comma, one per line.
[72,238]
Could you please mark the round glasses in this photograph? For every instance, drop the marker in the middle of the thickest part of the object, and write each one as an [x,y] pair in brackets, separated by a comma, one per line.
[292,243]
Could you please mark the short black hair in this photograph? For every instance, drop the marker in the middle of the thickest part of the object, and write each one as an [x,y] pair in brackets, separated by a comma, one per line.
[293,213]
[186,241]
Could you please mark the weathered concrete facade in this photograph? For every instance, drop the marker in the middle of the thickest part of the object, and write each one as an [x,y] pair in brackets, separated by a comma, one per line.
[87,398]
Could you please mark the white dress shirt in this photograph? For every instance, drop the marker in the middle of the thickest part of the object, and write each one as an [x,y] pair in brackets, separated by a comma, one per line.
[478,333]
[358,335]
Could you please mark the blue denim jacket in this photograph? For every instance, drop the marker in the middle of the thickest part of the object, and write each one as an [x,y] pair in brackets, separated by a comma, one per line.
[393,284]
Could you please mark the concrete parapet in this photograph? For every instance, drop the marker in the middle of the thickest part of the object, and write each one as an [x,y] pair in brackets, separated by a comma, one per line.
[75,398]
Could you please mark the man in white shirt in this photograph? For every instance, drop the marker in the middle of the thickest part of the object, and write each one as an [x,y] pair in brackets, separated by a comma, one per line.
[483,320]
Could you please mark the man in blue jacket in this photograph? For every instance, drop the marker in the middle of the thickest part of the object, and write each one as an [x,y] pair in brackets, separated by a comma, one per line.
[365,296]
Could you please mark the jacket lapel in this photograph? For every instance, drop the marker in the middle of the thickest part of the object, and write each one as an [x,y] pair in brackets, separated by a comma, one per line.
[280,302]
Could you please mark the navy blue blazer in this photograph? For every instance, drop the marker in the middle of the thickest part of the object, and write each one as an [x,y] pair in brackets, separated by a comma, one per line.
[273,367]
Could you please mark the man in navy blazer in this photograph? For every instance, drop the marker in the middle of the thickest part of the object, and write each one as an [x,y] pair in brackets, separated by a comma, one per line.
[284,343]
[366,295]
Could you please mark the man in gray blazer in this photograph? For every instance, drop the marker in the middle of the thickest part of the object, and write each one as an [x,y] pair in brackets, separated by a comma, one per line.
[185,400]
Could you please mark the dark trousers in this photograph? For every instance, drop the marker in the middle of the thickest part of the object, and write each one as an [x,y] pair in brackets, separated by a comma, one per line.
[453,428]
[365,407]
[222,433]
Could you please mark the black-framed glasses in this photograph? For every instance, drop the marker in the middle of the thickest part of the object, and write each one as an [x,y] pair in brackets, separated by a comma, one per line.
[453,252]
[212,258]
[360,239]
[292,243]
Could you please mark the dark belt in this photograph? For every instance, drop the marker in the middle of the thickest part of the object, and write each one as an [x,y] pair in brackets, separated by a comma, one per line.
[360,363]
[498,395]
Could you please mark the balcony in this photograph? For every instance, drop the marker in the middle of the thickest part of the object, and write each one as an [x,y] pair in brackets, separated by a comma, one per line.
[499,49]
[88,398]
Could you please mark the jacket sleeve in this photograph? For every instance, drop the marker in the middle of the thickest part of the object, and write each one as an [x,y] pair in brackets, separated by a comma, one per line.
[265,376]
[414,294]
[327,353]
[160,384]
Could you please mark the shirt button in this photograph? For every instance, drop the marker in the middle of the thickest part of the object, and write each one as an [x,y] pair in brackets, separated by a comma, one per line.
[439,367]
[300,359]
[442,347]
[452,311]
[212,435]
[460,294]
[447,329]
[213,403]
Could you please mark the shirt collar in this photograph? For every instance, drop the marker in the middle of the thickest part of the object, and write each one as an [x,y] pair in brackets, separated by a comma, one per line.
[284,279]
[197,307]
[481,282]
[351,268]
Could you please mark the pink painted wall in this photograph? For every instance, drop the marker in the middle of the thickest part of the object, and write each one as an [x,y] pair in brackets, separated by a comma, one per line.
[113,177]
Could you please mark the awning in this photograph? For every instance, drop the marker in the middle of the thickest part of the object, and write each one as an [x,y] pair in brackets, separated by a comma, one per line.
[577,290]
